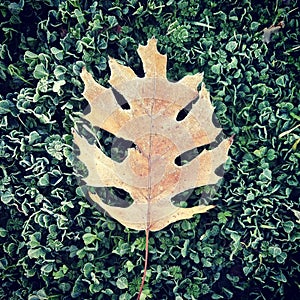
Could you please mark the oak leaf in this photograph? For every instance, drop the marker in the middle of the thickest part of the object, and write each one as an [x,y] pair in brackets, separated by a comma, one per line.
[149,173]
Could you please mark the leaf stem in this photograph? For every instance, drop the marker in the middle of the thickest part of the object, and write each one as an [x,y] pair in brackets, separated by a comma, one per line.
[148,208]
[146,263]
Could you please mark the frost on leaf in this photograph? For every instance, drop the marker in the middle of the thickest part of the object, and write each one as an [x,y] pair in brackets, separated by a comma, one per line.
[149,173]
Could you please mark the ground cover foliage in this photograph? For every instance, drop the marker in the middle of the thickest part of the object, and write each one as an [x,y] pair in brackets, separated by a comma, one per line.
[55,245]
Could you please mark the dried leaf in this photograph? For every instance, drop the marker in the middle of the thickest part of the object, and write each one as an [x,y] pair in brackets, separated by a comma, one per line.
[149,173]
[267,32]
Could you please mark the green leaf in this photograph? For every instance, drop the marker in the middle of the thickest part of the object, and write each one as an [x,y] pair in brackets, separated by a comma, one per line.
[222,216]
[88,269]
[40,295]
[271,154]
[61,272]
[5,106]
[279,277]
[59,72]
[16,8]
[125,296]
[288,226]
[206,263]
[112,20]
[122,283]
[65,287]
[233,64]
[3,232]
[81,253]
[281,257]
[228,293]
[260,152]
[48,268]
[281,81]
[185,248]
[89,238]
[247,270]
[78,288]
[33,137]
[36,253]
[59,54]
[129,266]
[297,215]
[266,175]
[207,251]
[40,71]
[30,57]
[35,240]
[195,257]
[231,46]
[80,16]
[44,180]
[217,69]
[7,197]
[295,116]
[254,26]
[275,251]
[57,85]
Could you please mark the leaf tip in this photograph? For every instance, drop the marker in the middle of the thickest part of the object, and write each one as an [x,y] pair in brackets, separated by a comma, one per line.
[119,72]
[154,63]
[92,89]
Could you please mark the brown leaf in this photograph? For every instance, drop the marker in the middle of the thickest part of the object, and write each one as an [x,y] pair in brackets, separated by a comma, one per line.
[149,173]
[267,32]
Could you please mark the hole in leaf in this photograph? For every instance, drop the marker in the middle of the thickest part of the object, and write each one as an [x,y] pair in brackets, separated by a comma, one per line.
[119,149]
[112,146]
[120,99]
[219,171]
[87,109]
[193,197]
[84,130]
[185,199]
[189,155]
[113,196]
[215,121]
[185,111]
